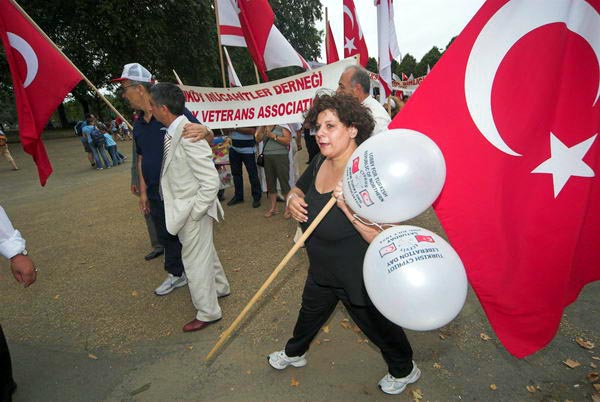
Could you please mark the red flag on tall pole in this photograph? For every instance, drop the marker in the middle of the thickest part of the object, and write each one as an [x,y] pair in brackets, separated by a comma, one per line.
[330,48]
[41,80]
[354,41]
[521,203]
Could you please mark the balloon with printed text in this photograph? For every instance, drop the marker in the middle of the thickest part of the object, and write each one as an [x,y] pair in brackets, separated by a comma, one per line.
[394,176]
[414,278]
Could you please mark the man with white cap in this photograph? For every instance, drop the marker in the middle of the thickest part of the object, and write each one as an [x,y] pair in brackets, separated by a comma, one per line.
[149,133]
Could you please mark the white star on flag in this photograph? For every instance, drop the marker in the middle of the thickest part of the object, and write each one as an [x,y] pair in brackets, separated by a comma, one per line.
[565,162]
[349,44]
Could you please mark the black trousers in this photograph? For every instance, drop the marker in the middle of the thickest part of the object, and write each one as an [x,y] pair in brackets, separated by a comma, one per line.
[173,262]
[7,384]
[318,302]
[236,159]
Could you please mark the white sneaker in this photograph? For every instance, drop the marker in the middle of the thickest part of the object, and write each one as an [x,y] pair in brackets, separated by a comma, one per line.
[171,283]
[393,386]
[279,360]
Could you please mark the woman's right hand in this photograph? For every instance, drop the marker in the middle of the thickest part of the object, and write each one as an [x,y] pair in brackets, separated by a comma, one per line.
[297,207]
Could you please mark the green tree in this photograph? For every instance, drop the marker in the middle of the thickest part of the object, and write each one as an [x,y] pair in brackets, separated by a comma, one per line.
[372,65]
[102,36]
[430,58]
[408,66]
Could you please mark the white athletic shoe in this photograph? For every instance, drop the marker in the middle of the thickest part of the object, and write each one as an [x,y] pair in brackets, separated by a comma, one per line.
[171,283]
[279,360]
[393,386]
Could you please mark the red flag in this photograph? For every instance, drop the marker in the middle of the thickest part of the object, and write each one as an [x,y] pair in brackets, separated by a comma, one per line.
[330,47]
[521,203]
[404,77]
[354,41]
[267,46]
[41,80]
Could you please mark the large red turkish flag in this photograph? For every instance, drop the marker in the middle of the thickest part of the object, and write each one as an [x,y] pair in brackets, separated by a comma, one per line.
[41,80]
[513,104]
[354,41]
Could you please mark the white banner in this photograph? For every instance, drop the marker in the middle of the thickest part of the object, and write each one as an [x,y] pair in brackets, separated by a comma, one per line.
[276,102]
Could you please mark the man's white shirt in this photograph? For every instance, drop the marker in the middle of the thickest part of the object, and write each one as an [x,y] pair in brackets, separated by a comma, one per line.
[380,115]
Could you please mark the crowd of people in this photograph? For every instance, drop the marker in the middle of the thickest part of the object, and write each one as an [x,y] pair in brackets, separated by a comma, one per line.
[175,175]
[99,144]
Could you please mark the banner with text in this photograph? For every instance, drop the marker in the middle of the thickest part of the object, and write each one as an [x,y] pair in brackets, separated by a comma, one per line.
[276,102]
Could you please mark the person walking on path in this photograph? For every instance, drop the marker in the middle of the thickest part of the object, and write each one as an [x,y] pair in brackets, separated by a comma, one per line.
[5,152]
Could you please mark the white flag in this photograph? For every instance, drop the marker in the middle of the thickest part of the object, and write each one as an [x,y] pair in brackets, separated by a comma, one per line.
[229,24]
[388,43]
[234,81]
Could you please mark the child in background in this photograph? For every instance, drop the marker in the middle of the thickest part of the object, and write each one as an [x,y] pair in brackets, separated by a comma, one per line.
[111,147]
[124,129]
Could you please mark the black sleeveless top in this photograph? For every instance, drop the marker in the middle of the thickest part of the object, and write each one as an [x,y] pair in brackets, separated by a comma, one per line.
[335,249]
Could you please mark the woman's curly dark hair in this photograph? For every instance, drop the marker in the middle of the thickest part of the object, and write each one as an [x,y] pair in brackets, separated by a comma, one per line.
[347,108]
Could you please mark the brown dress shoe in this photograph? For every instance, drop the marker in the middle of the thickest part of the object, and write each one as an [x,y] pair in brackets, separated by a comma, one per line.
[196,325]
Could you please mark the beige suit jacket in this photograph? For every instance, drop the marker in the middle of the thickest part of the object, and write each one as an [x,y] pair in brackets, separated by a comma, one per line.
[189,182]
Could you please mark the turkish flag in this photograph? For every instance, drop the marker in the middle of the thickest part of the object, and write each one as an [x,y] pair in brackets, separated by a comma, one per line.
[330,47]
[41,80]
[521,203]
[354,41]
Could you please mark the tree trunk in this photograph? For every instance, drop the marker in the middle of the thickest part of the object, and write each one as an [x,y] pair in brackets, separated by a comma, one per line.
[84,104]
[62,115]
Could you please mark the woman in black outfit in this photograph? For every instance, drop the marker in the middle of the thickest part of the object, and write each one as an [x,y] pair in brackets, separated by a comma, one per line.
[337,247]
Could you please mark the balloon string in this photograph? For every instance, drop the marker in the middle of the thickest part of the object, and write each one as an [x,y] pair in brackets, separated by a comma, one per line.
[381,227]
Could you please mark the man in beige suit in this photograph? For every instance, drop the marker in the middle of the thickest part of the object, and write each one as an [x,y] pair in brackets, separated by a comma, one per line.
[189,185]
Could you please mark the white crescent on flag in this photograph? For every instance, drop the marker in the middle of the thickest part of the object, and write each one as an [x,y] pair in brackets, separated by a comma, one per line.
[495,40]
[31,60]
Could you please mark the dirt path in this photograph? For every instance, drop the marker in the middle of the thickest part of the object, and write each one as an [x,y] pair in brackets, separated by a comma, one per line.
[92,329]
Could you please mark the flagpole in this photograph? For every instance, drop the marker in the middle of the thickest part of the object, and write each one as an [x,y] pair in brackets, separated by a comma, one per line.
[177,77]
[32,22]
[256,72]
[219,43]
[225,335]
[326,36]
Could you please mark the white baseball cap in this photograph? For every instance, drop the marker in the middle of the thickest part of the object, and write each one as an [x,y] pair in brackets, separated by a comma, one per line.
[135,72]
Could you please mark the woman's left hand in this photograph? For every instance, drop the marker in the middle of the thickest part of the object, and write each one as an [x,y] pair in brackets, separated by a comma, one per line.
[338,193]
[367,230]
[195,132]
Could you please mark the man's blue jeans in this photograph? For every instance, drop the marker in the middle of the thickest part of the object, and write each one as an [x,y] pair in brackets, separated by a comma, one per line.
[100,151]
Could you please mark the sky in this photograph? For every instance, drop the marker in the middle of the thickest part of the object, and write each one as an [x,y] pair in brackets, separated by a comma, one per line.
[420,24]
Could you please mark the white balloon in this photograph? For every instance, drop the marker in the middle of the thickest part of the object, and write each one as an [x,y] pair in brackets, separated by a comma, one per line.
[394,176]
[414,278]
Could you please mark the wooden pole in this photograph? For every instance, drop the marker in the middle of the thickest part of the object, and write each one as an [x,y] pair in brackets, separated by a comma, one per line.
[327,50]
[256,72]
[177,77]
[225,335]
[32,22]
[219,44]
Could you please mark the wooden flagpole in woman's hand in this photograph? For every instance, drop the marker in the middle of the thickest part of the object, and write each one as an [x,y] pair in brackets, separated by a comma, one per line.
[225,335]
